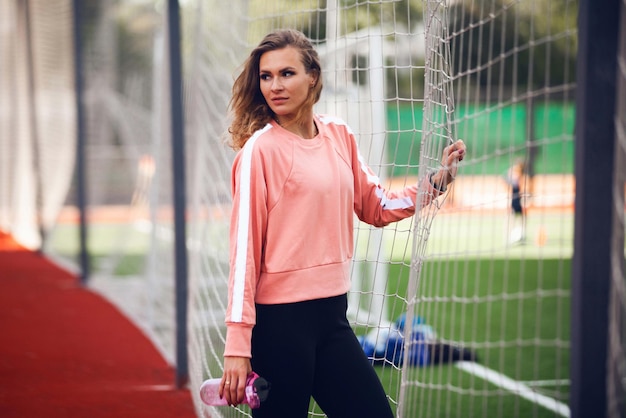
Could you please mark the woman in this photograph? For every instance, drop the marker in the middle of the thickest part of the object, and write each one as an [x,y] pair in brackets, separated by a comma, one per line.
[297,181]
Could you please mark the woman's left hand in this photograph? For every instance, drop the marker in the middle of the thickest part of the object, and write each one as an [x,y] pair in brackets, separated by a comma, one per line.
[450,158]
[233,384]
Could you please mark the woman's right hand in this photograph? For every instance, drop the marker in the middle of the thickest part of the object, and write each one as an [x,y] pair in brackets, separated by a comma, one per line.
[233,384]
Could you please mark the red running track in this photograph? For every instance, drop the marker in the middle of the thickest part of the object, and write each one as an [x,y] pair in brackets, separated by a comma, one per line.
[67,352]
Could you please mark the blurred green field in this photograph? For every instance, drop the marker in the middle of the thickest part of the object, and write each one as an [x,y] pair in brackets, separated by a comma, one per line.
[510,303]
[120,244]
[515,312]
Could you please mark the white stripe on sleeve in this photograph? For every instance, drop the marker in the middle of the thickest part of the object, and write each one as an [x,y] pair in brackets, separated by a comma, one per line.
[243,222]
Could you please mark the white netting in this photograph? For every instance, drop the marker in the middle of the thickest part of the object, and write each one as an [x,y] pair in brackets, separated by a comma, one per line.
[37,102]
[490,80]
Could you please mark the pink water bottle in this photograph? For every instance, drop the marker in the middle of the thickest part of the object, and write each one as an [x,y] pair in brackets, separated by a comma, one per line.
[257,390]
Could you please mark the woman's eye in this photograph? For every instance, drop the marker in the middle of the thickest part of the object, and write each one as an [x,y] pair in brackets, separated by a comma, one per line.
[288,73]
[265,77]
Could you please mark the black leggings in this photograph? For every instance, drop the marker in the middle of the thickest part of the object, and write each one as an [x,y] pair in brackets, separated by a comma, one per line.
[308,349]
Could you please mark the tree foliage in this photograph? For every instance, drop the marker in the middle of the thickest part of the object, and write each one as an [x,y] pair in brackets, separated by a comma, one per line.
[504,43]
[497,43]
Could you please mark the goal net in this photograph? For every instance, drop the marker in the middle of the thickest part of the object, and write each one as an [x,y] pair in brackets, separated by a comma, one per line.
[37,116]
[468,275]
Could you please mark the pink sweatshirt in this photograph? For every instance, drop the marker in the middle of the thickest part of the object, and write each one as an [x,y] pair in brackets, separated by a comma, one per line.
[291,231]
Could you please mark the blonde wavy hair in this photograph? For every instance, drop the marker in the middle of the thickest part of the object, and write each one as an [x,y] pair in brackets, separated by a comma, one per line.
[249,110]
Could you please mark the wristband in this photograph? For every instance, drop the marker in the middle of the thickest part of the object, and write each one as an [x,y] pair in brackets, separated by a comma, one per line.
[439,187]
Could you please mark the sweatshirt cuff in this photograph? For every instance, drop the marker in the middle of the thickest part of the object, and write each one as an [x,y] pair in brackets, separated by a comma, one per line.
[238,340]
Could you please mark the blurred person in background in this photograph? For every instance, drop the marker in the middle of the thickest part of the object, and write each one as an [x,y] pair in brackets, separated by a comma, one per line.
[516,179]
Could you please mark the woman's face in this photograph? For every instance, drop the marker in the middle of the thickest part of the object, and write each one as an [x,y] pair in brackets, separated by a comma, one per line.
[284,83]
